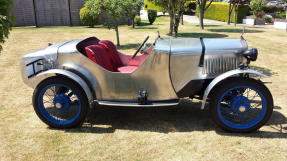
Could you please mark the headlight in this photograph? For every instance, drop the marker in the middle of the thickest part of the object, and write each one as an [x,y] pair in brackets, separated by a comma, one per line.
[251,54]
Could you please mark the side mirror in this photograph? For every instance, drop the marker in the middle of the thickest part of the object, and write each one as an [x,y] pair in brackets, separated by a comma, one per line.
[251,54]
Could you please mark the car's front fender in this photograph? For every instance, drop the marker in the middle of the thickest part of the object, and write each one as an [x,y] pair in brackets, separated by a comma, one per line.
[54,72]
[223,76]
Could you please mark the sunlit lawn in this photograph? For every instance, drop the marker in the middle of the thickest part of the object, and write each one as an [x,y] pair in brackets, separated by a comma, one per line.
[112,133]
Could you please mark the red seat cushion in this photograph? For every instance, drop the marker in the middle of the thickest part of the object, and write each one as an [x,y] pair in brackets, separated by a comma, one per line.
[138,60]
[127,69]
[112,52]
[99,55]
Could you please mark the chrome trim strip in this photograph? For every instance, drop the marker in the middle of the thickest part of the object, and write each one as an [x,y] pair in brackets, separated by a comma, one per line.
[133,104]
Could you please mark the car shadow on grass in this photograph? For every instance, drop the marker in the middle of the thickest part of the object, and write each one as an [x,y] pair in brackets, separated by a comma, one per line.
[266,71]
[186,117]
[182,118]
[204,35]
[277,122]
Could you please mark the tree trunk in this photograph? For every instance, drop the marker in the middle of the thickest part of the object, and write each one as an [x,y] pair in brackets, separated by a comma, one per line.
[176,24]
[229,13]
[201,17]
[117,34]
[255,18]
[235,14]
[171,24]
[182,19]
[133,22]
[171,17]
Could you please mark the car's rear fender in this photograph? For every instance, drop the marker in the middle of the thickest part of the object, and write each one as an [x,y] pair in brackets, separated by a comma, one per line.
[60,72]
[223,76]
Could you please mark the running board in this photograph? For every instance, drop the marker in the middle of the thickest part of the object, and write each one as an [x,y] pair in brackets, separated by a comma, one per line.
[135,104]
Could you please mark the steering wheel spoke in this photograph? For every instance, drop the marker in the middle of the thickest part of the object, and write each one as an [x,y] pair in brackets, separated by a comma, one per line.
[141,46]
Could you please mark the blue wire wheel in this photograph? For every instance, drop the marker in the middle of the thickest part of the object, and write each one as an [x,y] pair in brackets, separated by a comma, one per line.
[242,107]
[59,104]
[241,104]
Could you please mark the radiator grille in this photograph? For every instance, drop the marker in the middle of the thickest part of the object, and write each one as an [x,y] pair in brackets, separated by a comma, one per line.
[218,65]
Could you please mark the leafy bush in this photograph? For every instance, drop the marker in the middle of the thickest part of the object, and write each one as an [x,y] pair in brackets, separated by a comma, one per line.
[6,20]
[152,14]
[281,15]
[257,7]
[268,19]
[219,11]
[273,9]
[88,18]
[138,20]
[189,6]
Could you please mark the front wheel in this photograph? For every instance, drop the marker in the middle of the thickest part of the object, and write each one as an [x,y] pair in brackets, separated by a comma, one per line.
[60,102]
[241,104]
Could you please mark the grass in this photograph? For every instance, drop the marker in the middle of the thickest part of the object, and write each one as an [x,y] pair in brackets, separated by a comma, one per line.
[183,132]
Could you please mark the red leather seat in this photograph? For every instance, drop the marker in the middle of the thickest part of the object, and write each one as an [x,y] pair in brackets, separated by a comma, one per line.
[112,53]
[127,69]
[106,55]
[99,55]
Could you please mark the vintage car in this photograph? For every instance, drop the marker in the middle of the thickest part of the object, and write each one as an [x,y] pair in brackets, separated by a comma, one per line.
[74,76]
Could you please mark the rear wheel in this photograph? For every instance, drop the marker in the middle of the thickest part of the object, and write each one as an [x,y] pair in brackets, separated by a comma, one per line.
[60,103]
[241,104]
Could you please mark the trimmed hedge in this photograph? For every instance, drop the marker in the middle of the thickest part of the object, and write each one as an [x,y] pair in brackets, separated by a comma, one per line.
[151,6]
[152,14]
[219,11]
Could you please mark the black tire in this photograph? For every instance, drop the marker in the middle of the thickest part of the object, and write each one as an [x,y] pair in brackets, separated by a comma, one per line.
[82,98]
[230,83]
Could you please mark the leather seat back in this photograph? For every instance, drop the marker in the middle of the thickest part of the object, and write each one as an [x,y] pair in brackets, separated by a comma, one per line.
[100,56]
[112,52]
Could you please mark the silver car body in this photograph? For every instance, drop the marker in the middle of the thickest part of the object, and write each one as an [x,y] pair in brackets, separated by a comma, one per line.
[170,67]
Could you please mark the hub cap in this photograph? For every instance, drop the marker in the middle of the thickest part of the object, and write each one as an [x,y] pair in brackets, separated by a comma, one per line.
[239,104]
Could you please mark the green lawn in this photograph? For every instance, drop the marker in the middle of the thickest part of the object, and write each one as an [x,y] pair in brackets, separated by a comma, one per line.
[118,133]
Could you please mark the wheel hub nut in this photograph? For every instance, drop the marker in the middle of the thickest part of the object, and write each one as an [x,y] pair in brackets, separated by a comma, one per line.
[58,105]
[242,109]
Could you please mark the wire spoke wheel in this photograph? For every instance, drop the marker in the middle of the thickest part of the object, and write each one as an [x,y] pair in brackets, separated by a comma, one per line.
[241,105]
[60,103]
[57,106]
[245,107]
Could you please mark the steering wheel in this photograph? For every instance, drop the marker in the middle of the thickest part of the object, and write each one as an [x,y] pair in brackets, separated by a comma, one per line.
[138,50]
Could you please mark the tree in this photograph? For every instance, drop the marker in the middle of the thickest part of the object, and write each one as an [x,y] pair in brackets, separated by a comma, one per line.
[233,4]
[132,9]
[114,9]
[175,10]
[257,8]
[178,15]
[5,20]
[203,6]
[88,18]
